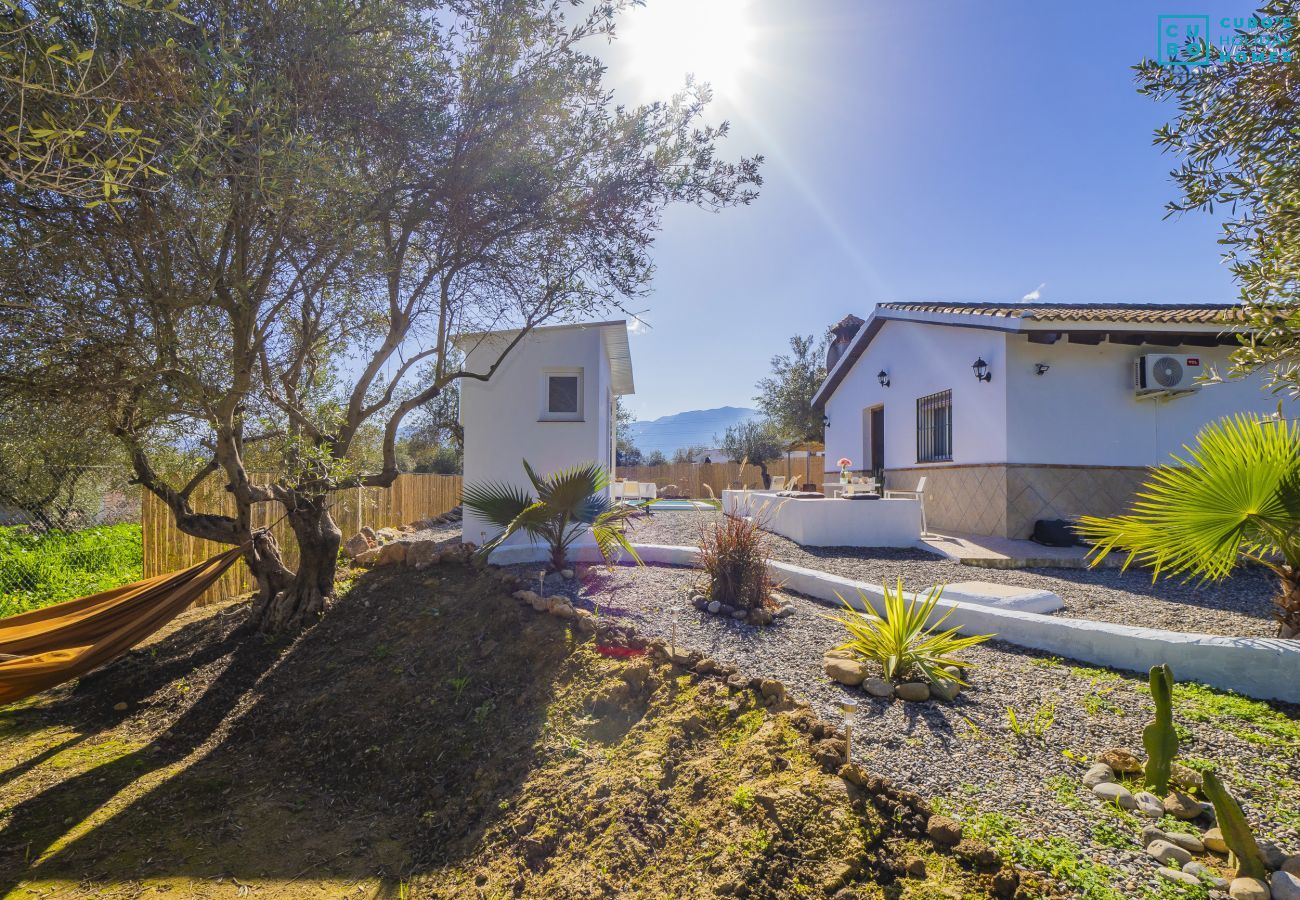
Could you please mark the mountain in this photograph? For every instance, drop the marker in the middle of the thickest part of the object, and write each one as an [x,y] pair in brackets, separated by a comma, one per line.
[699,427]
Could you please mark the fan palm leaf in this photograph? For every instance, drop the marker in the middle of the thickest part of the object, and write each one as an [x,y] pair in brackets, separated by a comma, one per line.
[568,503]
[1235,494]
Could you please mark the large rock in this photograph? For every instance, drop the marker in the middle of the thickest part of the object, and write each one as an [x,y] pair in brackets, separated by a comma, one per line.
[1168,854]
[1249,889]
[391,554]
[1178,877]
[945,689]
[1189,842]
[1285,886]
[1121,760]
[1149,805]
[878,687]
[1213,840]
[387,534]
[914,691]
[369,557]
[1274,856]
[1115,793]
[1098,773]
[845,671]
[356,545]
[422,554]
[1183,806]
[1292,865]
[1184,777]
[560,606]
[1151,833]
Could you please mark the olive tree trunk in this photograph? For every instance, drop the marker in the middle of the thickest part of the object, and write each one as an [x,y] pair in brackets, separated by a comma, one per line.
[310,590]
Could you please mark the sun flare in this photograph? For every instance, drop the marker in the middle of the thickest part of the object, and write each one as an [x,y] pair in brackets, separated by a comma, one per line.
[713,40]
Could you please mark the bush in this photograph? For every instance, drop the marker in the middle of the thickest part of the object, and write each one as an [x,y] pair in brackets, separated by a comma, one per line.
[39,569]
[901,642]
[733,554]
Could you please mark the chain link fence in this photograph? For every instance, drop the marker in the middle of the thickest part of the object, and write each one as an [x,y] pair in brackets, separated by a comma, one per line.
[66,533]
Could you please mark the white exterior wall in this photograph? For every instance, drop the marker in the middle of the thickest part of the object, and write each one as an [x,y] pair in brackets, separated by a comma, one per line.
[1083,411]
[502,416]
[922,359]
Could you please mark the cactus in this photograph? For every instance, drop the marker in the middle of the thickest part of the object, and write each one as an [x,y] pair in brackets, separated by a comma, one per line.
[1236,831]
[1159,738]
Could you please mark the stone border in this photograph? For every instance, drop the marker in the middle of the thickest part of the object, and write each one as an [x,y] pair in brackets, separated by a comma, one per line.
[1265,668]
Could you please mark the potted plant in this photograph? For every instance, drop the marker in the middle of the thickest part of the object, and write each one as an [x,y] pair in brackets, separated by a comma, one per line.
[844,463]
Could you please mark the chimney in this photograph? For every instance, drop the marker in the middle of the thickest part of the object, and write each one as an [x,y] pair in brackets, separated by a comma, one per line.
[842,333]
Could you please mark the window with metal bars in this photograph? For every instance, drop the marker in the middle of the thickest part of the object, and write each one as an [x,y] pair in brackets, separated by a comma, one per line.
[934,427]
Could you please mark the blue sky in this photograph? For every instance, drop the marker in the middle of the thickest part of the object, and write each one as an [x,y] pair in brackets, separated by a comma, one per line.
[916,151]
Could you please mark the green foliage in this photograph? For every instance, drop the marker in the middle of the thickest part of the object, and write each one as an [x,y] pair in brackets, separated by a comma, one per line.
[733,556]
[901,641]
[1159,738]
[785,396]
[755,442]
[627,453]
[1036,726]
[1236,830]
[37,570]
[1234,134]
[1251,720]
[1236,497]
[569,503]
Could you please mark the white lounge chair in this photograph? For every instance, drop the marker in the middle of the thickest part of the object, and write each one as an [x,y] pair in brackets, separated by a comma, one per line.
[778,482]
[616,490]
[917,493]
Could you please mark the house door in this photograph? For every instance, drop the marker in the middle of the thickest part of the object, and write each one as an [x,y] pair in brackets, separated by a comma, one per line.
[878,443]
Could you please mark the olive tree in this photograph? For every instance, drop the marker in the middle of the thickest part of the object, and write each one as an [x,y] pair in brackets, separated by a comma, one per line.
[1234,132]
[386,176]
[785,396]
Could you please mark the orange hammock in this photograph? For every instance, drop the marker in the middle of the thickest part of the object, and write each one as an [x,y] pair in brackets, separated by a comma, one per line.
[49,646]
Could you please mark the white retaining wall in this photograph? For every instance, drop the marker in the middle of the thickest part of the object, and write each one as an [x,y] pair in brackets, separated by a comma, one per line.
[1266,668]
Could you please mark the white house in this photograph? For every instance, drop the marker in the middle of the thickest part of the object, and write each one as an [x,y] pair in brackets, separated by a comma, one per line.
[1020,412]
[551,401]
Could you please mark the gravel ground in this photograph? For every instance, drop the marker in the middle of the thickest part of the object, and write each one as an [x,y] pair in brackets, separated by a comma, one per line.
[1239,606]
[965,752]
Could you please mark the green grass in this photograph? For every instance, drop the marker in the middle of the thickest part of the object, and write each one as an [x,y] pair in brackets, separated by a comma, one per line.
[1251,720]
[37,570]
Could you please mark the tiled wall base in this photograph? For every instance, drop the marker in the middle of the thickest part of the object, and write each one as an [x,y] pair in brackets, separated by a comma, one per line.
[1006,500]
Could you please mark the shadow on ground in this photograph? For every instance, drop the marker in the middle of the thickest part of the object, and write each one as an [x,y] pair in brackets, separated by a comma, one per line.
[371,747]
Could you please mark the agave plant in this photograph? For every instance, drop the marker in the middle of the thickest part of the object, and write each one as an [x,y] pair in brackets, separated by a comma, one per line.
[901,641]
[568,503]
[1236,497]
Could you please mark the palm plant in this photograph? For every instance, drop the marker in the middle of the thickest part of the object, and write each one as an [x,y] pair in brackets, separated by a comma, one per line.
[568,503]
[1237,497]
[901,641]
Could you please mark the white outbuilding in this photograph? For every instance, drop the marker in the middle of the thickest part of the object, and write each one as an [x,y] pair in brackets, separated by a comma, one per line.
[550,401]
[1019,412]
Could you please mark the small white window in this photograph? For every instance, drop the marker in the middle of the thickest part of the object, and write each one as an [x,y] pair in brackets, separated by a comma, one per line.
[562,395]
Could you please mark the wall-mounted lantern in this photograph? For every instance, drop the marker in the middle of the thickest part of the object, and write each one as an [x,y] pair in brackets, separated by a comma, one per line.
[1041,368]
[981,369]
[826,421]
[883,377]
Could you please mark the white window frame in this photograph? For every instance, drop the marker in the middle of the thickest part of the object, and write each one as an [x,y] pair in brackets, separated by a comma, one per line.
[562,372]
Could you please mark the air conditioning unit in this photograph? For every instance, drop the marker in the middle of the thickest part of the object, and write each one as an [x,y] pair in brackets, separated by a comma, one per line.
[1164,373]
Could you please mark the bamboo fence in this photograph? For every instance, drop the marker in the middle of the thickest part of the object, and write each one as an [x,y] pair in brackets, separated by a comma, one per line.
[690,478]
[167,549]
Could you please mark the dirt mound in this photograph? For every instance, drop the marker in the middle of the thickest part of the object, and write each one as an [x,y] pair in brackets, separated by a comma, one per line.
[434,738]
